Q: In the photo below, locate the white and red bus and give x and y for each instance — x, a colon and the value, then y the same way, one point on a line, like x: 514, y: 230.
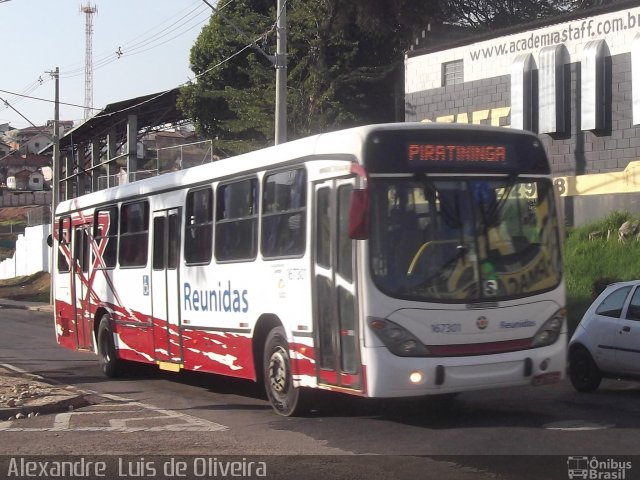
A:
x: 382, y: 261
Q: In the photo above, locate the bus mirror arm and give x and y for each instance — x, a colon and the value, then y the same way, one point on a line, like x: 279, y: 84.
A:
x: 359, y: 214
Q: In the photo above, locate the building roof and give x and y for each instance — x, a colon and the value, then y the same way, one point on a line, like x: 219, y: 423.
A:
x: 32, y: 131
x: 23, y: 174
x: 152, y: 110
x: 28, y: 160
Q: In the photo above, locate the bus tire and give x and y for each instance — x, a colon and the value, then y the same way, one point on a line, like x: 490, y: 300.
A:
x: 285, y: 399
x: 584, y: 374
x: 110, y: 364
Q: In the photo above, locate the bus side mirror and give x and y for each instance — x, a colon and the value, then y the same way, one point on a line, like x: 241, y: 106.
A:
x: 50, y: 240
x: 359, y: 214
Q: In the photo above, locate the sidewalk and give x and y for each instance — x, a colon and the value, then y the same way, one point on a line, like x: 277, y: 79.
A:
x: 26, y: 395
x: 23, y: 394
x: 34, y: 306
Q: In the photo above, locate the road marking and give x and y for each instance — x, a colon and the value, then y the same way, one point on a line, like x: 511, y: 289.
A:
x: 577, y: 426
x: 130, y: 416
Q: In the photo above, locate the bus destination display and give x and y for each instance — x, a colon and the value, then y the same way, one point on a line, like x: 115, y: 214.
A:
x: 456, y: 153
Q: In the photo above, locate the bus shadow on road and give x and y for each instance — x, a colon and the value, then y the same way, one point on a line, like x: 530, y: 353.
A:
x: 433, y: 412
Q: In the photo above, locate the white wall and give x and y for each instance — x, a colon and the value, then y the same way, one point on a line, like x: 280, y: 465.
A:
x: 31, y: 256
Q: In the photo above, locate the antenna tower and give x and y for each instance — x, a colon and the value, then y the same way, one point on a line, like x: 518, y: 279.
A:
x: 88, y: 11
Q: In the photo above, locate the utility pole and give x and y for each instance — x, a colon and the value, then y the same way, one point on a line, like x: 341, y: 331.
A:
x: 55, y: 176
x: 279, y: 61
x: 281, y: 73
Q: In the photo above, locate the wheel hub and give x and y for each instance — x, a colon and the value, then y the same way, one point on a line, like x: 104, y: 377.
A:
x: 278, y: 373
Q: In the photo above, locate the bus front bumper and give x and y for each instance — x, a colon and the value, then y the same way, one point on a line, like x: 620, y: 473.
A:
x: 416, y: 376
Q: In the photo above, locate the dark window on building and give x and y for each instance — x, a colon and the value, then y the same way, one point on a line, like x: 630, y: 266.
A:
x: 237, y: 220
x: 134, y: 234
x: 284, y: 214
x: 452, y: 73
x: 105, y: 225
x: 64, y: 243
x: 198, y: 235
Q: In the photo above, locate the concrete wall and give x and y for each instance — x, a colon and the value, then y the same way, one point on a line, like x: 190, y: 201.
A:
x: 32, y: 254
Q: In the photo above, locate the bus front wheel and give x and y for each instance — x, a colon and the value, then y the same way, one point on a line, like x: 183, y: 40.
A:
x: 286, y: 399
x: 109, y: 363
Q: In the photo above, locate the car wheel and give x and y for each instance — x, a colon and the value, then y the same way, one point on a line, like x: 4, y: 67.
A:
x: 584, y: 373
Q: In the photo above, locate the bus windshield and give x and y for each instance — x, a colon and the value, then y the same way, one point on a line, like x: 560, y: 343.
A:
x: 463, y: 240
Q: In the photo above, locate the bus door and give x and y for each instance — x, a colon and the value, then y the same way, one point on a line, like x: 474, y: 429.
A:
x: 335, y: 305
x: 80, y: 285
x: 165, y: 289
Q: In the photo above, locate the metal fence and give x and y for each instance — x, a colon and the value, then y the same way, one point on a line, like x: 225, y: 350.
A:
x: 179, y: 157
x: 39, y: 215
x: 167, y: 159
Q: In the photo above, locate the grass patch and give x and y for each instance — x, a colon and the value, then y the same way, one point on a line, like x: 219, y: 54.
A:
x: 30, y: 288
x: 599, y: 261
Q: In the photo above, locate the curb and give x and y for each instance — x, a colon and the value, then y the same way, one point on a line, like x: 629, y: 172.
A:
x: 33, y: 308
x: 74, y: 398
x: 70, y: 403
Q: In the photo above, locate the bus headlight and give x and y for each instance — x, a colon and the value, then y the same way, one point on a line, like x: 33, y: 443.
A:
x: 550, y: 331
x: 397, y: 339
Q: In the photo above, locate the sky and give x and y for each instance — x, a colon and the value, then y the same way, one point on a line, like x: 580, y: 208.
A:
x: 153, y: 36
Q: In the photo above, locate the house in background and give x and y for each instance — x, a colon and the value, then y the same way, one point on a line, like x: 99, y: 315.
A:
x: 34, y: 139
x: 26, y: 180
x: 11, y: 165
x: 4, y: 149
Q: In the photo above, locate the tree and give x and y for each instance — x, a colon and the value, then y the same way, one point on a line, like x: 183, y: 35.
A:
x: 345, y: 61
x: 234, y: 92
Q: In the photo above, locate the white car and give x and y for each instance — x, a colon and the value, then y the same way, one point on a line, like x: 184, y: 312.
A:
x: 606, y: 343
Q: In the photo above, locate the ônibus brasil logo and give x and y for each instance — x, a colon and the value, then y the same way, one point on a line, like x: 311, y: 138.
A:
x: 593, y: 468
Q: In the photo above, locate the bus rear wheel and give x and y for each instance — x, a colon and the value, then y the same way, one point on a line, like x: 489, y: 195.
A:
x: 110, y: 364
x: 286, y: 399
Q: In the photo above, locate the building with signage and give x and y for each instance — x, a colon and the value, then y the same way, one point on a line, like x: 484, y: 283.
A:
x: 574, y: 80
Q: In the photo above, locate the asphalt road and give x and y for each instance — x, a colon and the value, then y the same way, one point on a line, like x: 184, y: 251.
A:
x: 510, y: 433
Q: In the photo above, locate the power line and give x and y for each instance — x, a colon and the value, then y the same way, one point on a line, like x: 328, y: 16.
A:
x: 163, y: 31
x: 251, y: 44
x: 42, y: 100
x: 182, y: 26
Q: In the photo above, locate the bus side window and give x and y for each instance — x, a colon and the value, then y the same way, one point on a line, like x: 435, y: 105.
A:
x: 237, y: 220
x: 105, y: 224
x: 198, y: 235
x: 134, y: 234
x: 64, y: 241
x: 284, y: 214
